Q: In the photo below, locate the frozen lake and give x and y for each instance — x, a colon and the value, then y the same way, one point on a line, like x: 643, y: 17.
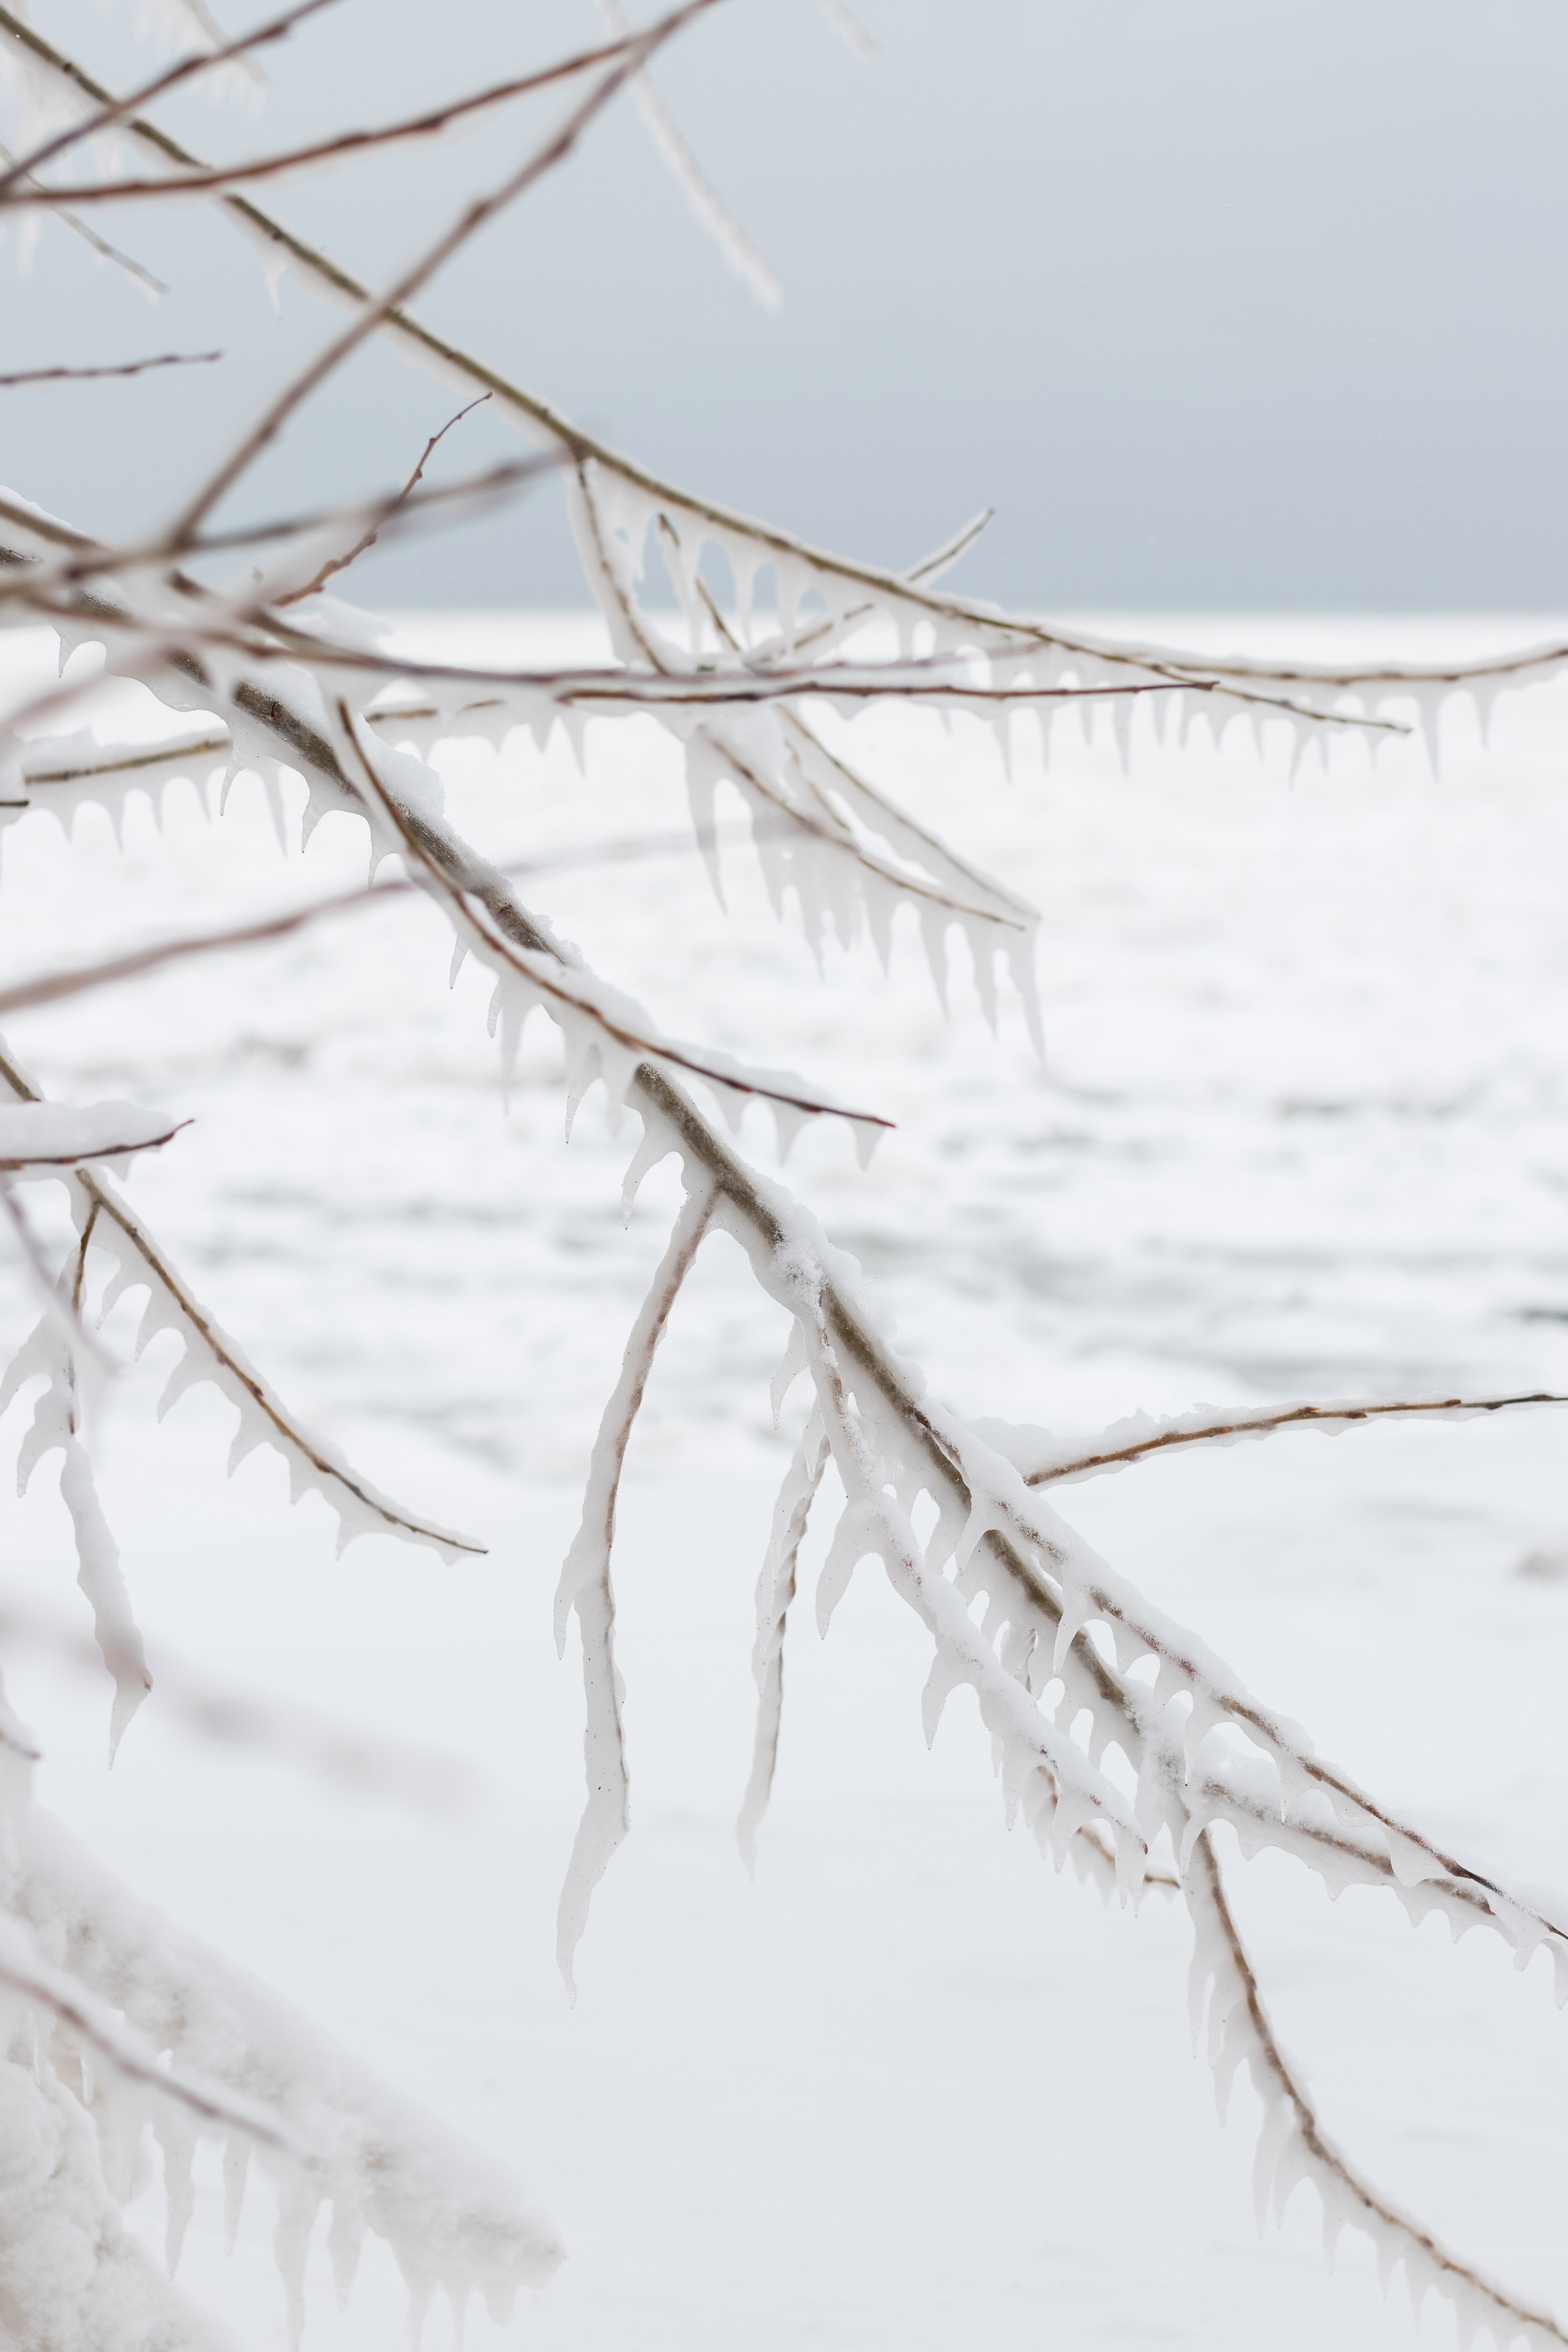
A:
x: 1302, y: 1132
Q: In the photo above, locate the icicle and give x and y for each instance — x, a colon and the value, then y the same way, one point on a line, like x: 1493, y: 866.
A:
x: 656, y: 1145
x: 176, y: 2137
x: 298, y: 2206
x: 982, y: 950
x: 933, y: 932
x: 236, y: 2167
x: 775, y: 1593
x: 857, y: 1533
x: 344, y: 2239
x: 947, y: 1672
x: 796, y: 1359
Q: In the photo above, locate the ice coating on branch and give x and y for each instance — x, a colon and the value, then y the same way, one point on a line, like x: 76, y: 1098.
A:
x: 208, y: 1354
x: 42, y: 1138
x: 1049, y: 1457
x: 586, y: 1590
x: 706, y: 206
x: 457, y: 2219
x: 314, y: 1465
x: 1228, y: 2013
x: 78, y: 770
x: 775, y: 1592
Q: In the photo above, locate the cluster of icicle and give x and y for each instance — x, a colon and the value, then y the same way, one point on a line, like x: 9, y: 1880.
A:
x: 1120, y: 1737
x: 1056, y: 1649
x: 1196, y: 1748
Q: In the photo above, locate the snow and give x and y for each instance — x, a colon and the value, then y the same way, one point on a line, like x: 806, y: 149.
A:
x: 1299, y: 1133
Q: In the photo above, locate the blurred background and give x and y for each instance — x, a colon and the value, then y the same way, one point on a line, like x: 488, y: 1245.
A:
x: 1223, y: 306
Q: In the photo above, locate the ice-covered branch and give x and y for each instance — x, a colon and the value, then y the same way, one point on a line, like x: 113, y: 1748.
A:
x: 605, y: 1032
x: 39, y: 1136
x: 1047, y: 1460
x: 127, y: 2050
x: 585, y: 1591
x: 211, y: 1355
x: 707, y: 207
x: 775, y: 1592
x: 1293, y: 2145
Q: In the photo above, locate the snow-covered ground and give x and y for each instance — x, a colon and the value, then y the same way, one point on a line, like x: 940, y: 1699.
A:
x: 1303, y: 1133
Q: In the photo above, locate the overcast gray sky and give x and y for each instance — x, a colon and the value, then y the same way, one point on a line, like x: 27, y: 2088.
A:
x: 1222, y: 304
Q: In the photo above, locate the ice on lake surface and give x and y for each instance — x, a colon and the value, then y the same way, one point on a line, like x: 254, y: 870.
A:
x: 1302, y: 1132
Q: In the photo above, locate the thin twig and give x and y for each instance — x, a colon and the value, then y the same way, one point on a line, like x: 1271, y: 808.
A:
x: 211, y: 179
x: 337, y: 563
x: 1260, y: 1425
x: 93, y: 374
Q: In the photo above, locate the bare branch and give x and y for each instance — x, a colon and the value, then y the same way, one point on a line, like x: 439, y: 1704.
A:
x: 367, y: 539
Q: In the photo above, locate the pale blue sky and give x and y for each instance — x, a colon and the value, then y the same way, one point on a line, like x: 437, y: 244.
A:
x: 1221, y: 303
